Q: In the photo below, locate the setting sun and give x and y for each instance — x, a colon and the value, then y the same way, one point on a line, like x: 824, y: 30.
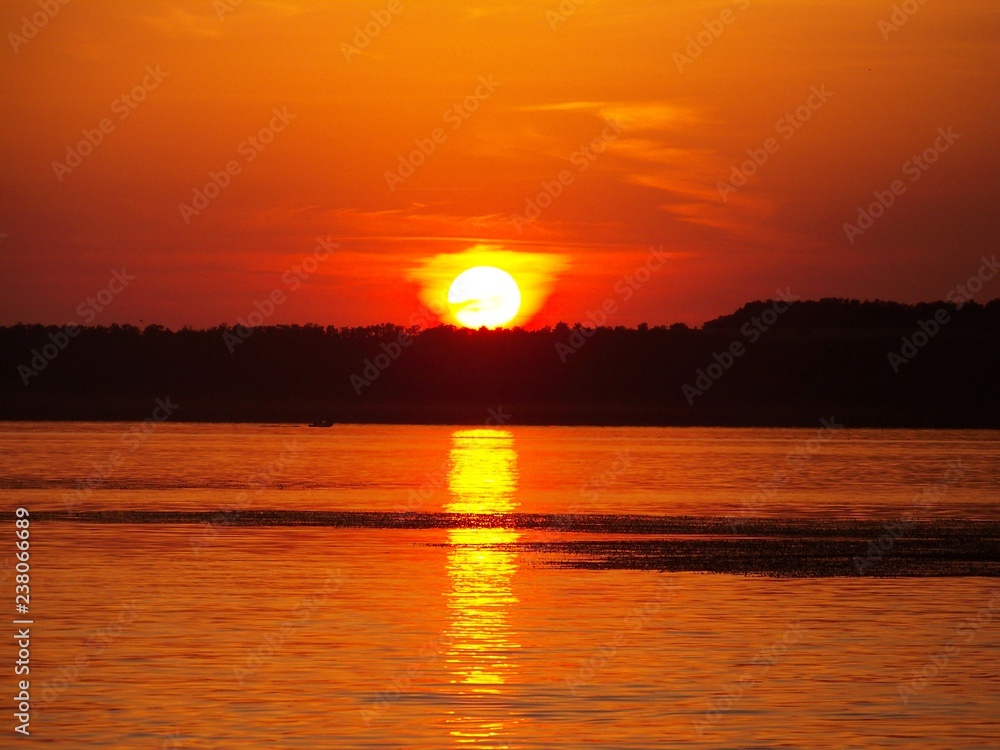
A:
x: 484, y: 296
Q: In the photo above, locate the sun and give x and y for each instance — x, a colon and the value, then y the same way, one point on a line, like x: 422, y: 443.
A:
x: 484, y: 296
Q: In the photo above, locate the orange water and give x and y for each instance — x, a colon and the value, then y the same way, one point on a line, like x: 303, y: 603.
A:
x: 161, y: 636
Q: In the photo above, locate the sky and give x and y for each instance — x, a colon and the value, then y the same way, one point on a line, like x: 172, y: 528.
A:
x: 340, y: 162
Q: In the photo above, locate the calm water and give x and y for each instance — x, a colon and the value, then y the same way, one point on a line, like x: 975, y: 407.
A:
x: 212, y: 636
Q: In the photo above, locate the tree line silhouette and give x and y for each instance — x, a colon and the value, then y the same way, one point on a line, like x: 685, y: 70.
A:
x: 760, y: 365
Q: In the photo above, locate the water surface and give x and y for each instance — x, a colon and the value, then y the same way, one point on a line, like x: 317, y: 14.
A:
x: 209, y: 635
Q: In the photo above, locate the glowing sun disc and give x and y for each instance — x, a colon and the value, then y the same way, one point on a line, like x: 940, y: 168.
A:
x: 484, y: 296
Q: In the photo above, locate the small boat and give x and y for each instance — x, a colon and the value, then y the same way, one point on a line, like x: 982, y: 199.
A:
x: 322, y: 423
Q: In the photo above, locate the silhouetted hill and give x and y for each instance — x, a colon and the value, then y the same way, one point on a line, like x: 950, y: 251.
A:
x: 865, y: 363
x: 833, y: 312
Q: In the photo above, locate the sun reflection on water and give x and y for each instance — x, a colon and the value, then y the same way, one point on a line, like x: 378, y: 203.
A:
x: 481, y: 656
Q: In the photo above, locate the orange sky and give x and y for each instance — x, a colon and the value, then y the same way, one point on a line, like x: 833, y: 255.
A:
x: 613, y: 108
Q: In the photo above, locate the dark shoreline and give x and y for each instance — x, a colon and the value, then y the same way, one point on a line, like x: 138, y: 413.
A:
x: 23, y: 408
x: 737, y: 546
x: 598, y: 523
x: 864, y: 363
